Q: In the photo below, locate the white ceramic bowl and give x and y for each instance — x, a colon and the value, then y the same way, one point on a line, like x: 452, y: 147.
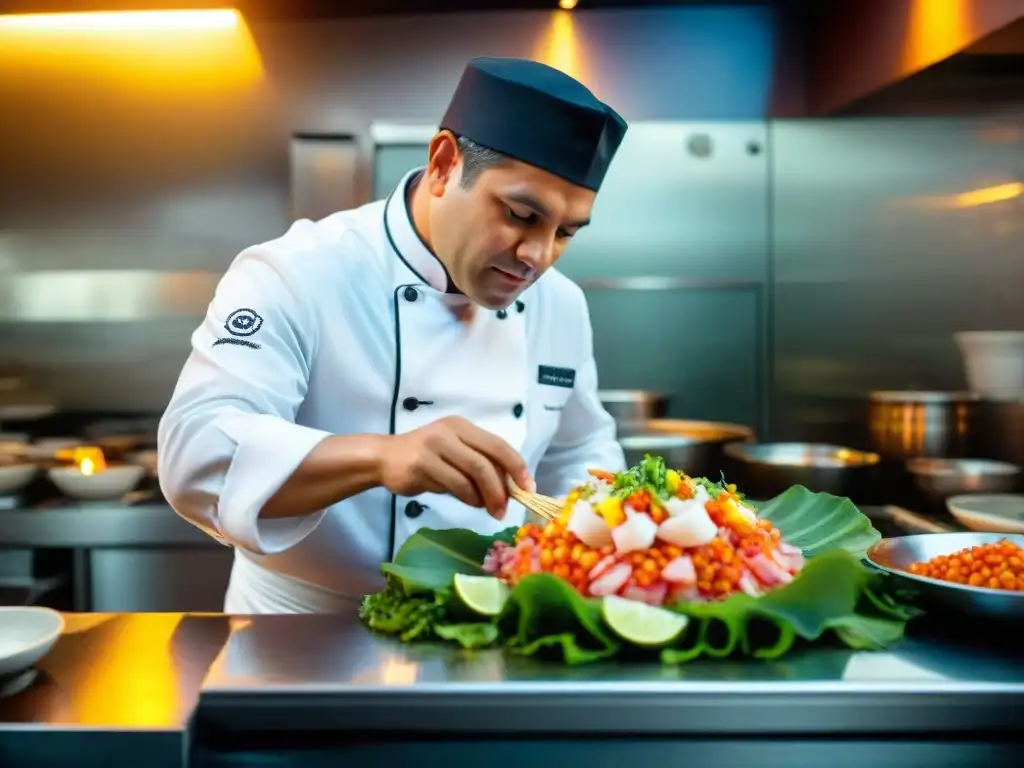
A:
x: 27, y: 633
x: 993, y: 362
x: 14, y: 477
x: 989, y: 512
x: 112, y: 483
x: 26, y: 412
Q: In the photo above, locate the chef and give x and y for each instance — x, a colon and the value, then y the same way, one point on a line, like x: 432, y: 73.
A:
x: 387, y: 368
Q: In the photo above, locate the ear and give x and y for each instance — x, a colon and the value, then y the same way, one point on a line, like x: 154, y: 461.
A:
x: 443, y: 162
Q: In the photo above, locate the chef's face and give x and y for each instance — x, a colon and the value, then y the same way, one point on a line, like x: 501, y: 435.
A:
x: 500, y: 230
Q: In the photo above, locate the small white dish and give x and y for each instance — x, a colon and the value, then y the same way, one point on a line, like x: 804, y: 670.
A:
x: 48, y: 447
x: 26, y: 412
x: 989, y: 512
x: 111, y: 483
x: 27, y: 633
x: 14, y: 477
x: 16, y: 448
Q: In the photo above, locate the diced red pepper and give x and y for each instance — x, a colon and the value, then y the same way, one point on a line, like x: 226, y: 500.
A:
x: 640, y: 501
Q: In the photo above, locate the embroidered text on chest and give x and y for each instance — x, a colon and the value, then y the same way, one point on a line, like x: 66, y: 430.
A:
x: 556, y: 377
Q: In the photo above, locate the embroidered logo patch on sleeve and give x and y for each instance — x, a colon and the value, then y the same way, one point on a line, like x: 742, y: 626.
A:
x: 240, y: 324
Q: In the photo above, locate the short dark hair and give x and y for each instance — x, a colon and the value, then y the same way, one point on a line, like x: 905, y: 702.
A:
x: 475, y: 160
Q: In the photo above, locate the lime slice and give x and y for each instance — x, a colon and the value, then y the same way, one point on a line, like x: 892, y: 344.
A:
x: 485, y: 595
x: 640, y: 623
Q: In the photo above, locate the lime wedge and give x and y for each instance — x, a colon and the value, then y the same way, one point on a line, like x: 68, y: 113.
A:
x: 641, y: 624
x: 485, y: 595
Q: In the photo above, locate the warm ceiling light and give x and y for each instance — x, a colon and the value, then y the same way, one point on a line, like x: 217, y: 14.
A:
x: 123, y: 20
x: 567, y: 5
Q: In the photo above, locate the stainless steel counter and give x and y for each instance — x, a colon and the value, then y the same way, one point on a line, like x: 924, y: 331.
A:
x: 99, y: 525
x: 113, y: 688
x: 222, y: 689
x: 329, y: 674
x: 124, y: 558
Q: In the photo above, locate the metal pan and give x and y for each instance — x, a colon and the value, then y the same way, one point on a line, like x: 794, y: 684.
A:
x: 896, y: 555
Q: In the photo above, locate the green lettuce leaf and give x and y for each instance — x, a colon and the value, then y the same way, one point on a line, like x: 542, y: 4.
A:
x: 549, y: 614
x: 429, y: 559
x: 421, y: 616
x: 834, y: 595
x: 819, y: 522
x: 473, y: 635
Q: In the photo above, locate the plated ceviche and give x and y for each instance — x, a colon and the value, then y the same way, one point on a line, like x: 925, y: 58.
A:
x: 648, y: 560
x: 653, y: 535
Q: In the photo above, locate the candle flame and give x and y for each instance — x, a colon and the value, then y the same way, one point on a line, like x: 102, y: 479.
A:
x: 89, y: 460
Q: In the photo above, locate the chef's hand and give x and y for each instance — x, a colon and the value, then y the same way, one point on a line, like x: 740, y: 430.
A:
x: 453, y: 456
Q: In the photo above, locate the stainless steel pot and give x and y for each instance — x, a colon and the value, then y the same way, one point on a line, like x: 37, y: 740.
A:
x: 938, y: 479
x: 907, y: 425
x: 633, y: 405
x: 696, y: 447
x: 769, y: 469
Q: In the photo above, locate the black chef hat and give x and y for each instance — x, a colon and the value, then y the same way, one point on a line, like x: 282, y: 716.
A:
x: 534, y: 113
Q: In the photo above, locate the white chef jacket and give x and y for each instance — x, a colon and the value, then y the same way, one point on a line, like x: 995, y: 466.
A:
x: 344, y: 326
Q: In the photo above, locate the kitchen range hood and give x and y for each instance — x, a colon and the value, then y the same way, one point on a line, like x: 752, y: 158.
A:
x: 859, y: 57
x: 915, y: 57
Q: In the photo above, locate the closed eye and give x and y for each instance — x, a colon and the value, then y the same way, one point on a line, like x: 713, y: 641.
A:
x: 527, y: 219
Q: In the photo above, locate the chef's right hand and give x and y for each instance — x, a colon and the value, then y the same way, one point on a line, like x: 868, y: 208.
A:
x: 454, y: 456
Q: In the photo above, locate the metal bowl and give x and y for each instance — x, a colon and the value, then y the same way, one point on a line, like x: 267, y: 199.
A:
x: 771, y: 468
x: 696, y: 447
x: 928, y: 424
x: 938, y: 479
x: 633, y: 405
x: 895, y: 555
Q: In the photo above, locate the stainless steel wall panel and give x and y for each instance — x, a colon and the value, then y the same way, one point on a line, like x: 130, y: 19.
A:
x: 702, y: 347
x: 324, y: 174
x: 880, y: 257
x: 680, y: 199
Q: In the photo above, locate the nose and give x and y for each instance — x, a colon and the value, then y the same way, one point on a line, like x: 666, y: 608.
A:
x: 536, y: 253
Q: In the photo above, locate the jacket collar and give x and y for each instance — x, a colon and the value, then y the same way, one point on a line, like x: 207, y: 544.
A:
x: 406, y: 242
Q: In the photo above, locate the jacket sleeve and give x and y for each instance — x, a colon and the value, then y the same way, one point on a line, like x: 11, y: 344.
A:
x: 586, y: 435
x: 228, y: 439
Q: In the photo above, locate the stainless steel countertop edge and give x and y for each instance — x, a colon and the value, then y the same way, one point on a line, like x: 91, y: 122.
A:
x: 722, y: 713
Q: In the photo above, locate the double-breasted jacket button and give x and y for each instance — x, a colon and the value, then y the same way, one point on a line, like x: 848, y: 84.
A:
x: 410, y: 294
x: 517, y: 410
x: 414, y: 509
x: 502, y: 314
x: 520, y: 306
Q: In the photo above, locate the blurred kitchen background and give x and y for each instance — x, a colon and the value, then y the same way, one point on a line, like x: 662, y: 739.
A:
x: 810, y: 202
